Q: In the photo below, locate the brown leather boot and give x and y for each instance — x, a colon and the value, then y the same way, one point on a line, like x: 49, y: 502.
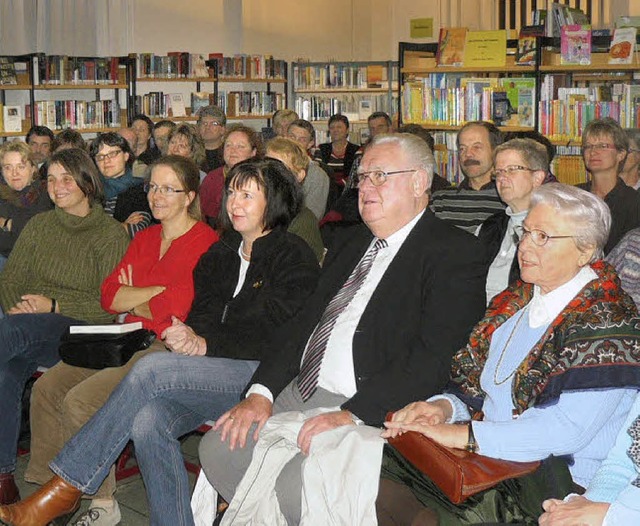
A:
x: 57, y: 497
x: 8, y: 490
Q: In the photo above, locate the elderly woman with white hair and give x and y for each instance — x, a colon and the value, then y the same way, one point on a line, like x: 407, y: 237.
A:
x: 553, y: 367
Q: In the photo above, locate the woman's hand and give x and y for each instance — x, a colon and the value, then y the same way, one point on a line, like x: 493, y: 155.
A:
x: 126, y: 276
x: 577, y: 511
x: 180, y: 339
x: 32, y: 304
x: 449, y: 435
x: 424, y: 413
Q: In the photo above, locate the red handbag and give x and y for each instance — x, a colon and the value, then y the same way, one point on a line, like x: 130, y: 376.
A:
x: 458, y: 473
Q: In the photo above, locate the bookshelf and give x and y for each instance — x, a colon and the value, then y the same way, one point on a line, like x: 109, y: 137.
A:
x: 20, y: 94
x: 247, y: 87
x: 88, y: 94
x: 443, y: 98
x: 355, y: 89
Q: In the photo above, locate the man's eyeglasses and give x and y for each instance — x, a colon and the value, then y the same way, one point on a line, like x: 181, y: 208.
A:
x: 379, y: 177
x: 510, y: 170
x: 151, y: 188
x: 600, y: 147
x: 538, y: 237
x: 111, y: 155
x: 209, y: 124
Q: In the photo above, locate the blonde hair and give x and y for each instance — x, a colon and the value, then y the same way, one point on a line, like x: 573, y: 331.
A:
x: 291, y: 150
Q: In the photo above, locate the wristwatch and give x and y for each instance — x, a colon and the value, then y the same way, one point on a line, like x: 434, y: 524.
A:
x: 472, y: 445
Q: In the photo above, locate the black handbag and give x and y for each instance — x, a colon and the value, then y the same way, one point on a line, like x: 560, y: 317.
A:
x: 98, y: 351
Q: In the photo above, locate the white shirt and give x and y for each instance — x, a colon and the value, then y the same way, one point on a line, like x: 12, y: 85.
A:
x: 337, y: 372
x: 242, y: 273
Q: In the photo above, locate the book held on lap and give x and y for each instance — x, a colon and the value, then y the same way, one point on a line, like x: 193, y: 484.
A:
x: 114, y: 328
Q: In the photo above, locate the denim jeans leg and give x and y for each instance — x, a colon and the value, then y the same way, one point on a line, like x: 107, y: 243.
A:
x: 26, y: 341
x: 203, y: 385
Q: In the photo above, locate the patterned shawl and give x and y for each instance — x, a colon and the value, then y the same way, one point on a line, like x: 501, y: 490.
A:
x: 593, y: 343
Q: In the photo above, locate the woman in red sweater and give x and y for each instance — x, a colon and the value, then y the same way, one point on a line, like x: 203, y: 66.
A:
x: 153, y: 283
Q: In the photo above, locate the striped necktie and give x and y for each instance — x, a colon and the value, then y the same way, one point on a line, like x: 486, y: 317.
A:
x: 310, y: 369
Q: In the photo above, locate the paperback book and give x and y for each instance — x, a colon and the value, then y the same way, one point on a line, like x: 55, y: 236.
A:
x: 623, y: 45
x: 12, y: 116
x: 528, y: 44
x: 575, y: 45
x: 7, y: 72
x: 451, y: 45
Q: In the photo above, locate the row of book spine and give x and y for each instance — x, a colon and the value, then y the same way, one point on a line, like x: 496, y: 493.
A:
x: 250, y: 103
x: 321, y: 107
x: 61, y: 70
x: 77, y: 114
x: 340, y: 76
x: 185, y: 65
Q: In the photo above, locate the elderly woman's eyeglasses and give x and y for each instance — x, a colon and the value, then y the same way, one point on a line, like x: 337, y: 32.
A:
x: 379, y: 177
x: 510, y: 170
x: 538, y: 237
x: 151, y: 188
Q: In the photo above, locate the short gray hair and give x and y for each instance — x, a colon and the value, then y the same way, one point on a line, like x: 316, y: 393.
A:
x: 214, y: 112
x: 533, y: 153
x: 413, y: 147
x: 588, y: 213
x: 633, y: 134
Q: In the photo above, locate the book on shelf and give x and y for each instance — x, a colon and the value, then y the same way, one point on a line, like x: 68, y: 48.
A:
x: 563, y: 15
x: 575, y: 45
x: 200, y: 99
x: 623, y: 45
x: 77, y: 114
x: 364, y: 109
x: 528, y: 45
x: 501, y: 109
x: 113, y: 328
x: 198, y: 67
x: 451, y: 46
x: 526, y: 107
x: 1, y: 117
x: 485, y: 49
x: 7, y: 72
x: 176, y: 104
x: 12, y: 117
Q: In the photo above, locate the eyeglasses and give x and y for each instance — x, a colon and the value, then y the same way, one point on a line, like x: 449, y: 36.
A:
x: 538, y: 237
x: 633, y: 150
x: 111, y: 155
x: 209, y: 124
x: 600, y: 147
x: 510, y: 170
x: 379, y: 177
x: 151, y: 188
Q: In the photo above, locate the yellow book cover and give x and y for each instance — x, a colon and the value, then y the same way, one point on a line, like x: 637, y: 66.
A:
x: 485, y: 49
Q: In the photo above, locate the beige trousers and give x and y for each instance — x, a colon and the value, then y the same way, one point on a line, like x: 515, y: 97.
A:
x: 62, y: 400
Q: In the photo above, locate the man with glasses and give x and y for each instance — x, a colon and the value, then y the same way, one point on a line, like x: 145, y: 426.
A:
x: 398, y: 294
x: 476, y: 197
x: 520, y: 166
x: 317, y: 182
x: 604, y: 150
x: 211, y: 127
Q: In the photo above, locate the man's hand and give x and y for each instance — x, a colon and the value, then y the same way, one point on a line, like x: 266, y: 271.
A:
x: 577, y: 511
x: 236, y: 422
x: 319, y: 424
x: 423, y: 413
x: 31, y: 304
x: 180, y: 339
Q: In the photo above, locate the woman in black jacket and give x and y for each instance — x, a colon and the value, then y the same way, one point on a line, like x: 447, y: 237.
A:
x: 246, y: 286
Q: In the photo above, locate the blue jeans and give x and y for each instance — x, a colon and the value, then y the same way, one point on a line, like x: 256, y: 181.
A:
x: 163, y: 397
x: 26, y: 341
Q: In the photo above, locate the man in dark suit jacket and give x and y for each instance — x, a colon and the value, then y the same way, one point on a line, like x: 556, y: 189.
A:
x: 394, y: 341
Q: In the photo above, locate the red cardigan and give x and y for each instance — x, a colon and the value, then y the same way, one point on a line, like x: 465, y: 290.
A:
x: 174, y: 271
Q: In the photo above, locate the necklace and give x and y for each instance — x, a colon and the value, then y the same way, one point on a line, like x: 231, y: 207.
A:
x: 504, y: 350
x: 244, y: 254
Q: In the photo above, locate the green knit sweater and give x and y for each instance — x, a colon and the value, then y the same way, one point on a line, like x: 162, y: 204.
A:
x: 65, y: 257
x: 305, y: 225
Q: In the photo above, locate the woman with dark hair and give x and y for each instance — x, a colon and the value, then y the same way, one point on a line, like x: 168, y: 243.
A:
x: 146, y: 151
x: 51, y: 281
x: 339, y: 154
x: 22, y: 195
x: 246, y: 286
x: 240, y: 143
x: 152, y: 284
x: 124, y: 196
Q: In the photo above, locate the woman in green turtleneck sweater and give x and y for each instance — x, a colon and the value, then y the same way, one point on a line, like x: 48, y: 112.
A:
x: 51, y: 281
